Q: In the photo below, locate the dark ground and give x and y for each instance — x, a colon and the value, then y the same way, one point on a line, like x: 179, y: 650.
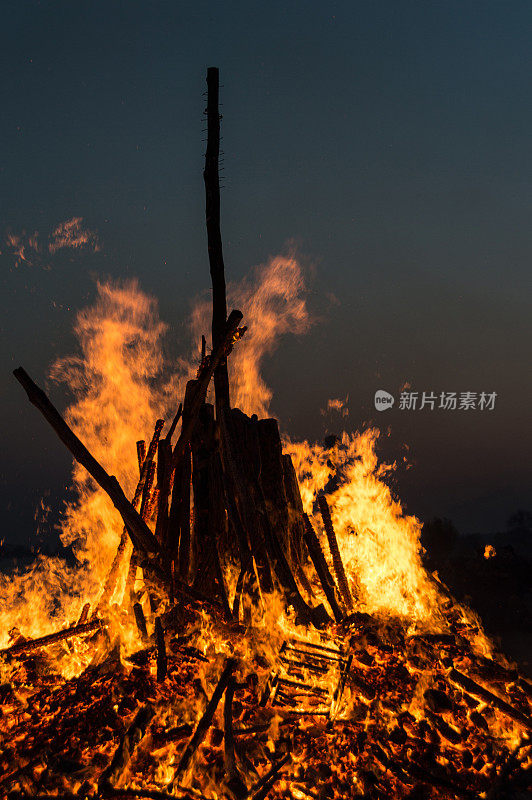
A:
x: 498, y: 588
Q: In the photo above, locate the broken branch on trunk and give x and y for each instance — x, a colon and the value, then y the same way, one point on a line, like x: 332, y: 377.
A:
x: 139, y: 532
x: 219, y: 352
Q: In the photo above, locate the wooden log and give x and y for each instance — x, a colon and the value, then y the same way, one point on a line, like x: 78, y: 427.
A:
x: 322, y: 569
x: 339, y: 690
x: 246, y: 589
x: 145, y: 503
x: 338, y: 564
x: 173, y: 425
x: 139, y: 532
x: 279, y: 485
x: 141, y: 453
x: 240, y: 465
x: 296, y: 520
x: 474, y: 688
x: 203, y: 445
x: 178, y: 528
x: 29, y: 645
x: 126, y: 749
x: 220, y: 351
x: 162, y: 662
x: 218, y: 527
x: 241, y: 451
x: 204, y: 723
x: 238, y: 543
x: 140, y: 619
x: 391, y: 765
x: 209, y: 510
x: 235, y: 783
x: 146, y: 496
x: 271, y: 480
x: 447, y: 731
x: 214, y: 237
x: 164, y: 477
x: 363, y: 687
x: 84, y: 614
x: 123, y: 551
x: 263, y: 786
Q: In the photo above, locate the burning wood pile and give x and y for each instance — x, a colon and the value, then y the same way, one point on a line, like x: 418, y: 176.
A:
x: 233, y: 651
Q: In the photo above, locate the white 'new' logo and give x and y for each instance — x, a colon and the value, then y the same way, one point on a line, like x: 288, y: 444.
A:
x: 383, y: 400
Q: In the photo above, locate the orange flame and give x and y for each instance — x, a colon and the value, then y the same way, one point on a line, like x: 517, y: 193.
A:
x: 121, y: 386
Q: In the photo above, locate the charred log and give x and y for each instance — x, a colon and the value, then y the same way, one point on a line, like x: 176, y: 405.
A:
x: 29, y: 645
x: 322, y: 569
x: 139, y: 532
x: 338, y: 564
x: 205, y: 721
x: 126, y: 749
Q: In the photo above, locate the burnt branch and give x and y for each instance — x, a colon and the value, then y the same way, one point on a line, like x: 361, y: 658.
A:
x: 205, y: 722
x: 235, y: 783
x: 51, y: 638
x: 322, y: 570
x: 162, y: 663
x: 338, y: 564
x: 139, y: 532
x: 474, y: 688
x: 125, y: 750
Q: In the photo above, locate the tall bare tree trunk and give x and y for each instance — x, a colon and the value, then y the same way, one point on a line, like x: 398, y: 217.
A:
x: 214, y: 237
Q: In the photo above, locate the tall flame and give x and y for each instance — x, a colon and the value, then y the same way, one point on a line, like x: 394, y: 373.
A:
x: 119, y: 389
x: 273, y: 302
x: 379, y: 543
x: 121, y: 385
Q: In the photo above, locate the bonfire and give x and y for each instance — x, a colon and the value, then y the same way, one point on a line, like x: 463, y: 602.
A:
x: 250, y: 616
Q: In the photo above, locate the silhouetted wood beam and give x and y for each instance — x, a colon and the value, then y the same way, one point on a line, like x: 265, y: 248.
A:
x: 211, y: 178
x: 140, y: 534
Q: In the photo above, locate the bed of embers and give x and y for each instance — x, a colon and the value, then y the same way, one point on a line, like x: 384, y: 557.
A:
x: 361, y: 711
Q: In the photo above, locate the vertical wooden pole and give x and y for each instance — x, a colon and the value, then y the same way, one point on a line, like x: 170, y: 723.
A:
x: 214, y: 238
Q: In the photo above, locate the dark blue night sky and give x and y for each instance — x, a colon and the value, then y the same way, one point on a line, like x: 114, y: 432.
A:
x: 391, y: 141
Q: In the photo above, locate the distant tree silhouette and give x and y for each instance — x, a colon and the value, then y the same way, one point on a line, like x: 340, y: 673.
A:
x: 520, y: 523
x: 438, y: 537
